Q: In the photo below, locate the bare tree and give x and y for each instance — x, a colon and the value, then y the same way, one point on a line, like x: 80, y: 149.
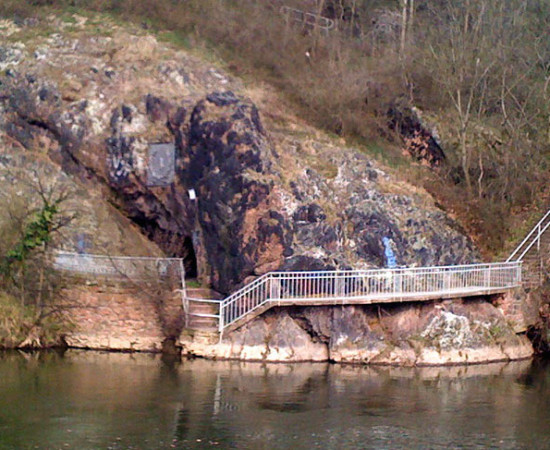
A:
x: 32, y: 216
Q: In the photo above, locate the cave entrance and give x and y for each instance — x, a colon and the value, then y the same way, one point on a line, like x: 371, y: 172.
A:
x: 189, y: 258
x: 173, y: 244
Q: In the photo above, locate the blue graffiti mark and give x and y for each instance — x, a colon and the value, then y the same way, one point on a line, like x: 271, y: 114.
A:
x: 82, y: 243
x: 389, y: 254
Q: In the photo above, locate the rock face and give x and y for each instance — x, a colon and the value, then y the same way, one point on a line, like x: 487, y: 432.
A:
x: 436, y: 333
x: 236, y: 193
x: 231, y: 168
x: 265, y: 201
x: 418, y: 141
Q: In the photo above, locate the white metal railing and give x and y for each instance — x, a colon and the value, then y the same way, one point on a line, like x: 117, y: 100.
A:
x: 316, y: 287
x: 531, y: 239
x: 369, y: 286
x: 189, y: 312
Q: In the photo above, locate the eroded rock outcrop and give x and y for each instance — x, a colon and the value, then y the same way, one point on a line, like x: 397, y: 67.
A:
x: 462, y: 331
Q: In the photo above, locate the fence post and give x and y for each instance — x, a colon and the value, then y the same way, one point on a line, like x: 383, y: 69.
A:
x: 221, y: 320
x: 274, y: 288
x: 184, y: 297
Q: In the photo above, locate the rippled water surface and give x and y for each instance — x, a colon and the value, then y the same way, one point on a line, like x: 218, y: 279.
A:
x: 100, y: 400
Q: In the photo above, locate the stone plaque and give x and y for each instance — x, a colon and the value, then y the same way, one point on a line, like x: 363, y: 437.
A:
x: 161, y: 164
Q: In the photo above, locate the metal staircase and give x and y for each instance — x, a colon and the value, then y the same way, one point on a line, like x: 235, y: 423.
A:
x: 533, y: 252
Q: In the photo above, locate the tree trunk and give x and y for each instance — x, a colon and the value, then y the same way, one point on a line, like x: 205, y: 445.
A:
x: 403, y: 28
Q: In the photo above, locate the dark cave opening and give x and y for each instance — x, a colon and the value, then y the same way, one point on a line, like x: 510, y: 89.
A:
x: 173, y: 244
x: 189, y: 258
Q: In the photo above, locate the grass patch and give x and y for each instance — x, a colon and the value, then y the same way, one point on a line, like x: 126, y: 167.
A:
x: 193, y: 284
x: 176, y: 39
x: 15, y: 321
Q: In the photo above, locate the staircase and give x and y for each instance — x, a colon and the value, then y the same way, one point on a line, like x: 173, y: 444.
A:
x: 533, y: 251
x: 203, y: 309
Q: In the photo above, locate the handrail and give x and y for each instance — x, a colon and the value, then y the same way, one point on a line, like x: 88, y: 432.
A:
x: 371, y: 285
x: 203, y: 300
x: 114, y: 258
x: 117, y: 266
x: 528, y: 238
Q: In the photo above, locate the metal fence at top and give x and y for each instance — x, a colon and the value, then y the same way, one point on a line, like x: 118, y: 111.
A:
x: 307, y: 18
x: 368, y: 286
x: 130, y: 268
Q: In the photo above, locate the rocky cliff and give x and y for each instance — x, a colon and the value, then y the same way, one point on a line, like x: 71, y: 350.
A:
x: 181, y: 150
x: 281, y: 198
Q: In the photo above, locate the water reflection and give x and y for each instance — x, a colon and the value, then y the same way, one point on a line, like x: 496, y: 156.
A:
x: 101, y: 400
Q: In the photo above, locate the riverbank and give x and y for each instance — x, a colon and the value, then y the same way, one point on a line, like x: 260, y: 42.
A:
x: 28, y: 327
x: 462, y: 331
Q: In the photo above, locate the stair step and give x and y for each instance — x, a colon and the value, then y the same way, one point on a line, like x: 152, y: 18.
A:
x: 205, y: 293
x: 203, y: 307
x: 199, y: 319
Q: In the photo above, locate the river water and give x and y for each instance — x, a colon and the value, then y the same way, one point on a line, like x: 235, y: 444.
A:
x: 91, y: 400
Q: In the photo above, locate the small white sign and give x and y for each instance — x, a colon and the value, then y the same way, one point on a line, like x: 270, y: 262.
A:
x: 192, y: 194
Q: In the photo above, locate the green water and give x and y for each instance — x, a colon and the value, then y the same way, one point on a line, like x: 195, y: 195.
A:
x: 83, y: 400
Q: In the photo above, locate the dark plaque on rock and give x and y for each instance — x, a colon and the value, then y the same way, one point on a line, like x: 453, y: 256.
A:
x: 161, y: 164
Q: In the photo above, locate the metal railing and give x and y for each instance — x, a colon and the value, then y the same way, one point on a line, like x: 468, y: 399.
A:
x: 314, y: 288
x: 307, y: 18
x: 188, y: 310
x: 532, y: 239
x: 163, y: 272
x: 133, y: 267
x: 367, y: 286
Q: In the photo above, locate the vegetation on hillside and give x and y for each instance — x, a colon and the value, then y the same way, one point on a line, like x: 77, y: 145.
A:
x: 478, y: 70
x: 29, y: 290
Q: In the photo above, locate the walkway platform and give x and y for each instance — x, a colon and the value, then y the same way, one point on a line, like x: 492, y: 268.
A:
x: 472, y: 291
x: 363, y: 287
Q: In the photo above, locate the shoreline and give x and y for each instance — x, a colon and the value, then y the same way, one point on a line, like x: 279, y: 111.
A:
x: 182, y: 354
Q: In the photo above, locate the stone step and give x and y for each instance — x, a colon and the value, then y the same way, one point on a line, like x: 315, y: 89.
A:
x: 202, y: 292
x: 196, y: 308
x: 202, y: 324
x: 204, y: 307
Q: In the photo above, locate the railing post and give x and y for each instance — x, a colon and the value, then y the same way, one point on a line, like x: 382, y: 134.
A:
x: 221, y: 320
x: 184, y: 297
x: 274, y: 288
x: 401, y: 283
x: 519, y: 271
